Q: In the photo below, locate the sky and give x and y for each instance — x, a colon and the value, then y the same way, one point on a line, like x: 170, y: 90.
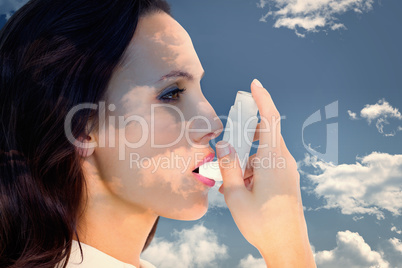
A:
x: 333, y: 69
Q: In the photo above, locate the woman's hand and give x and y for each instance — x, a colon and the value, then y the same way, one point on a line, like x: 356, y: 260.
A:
x: 266, y: 204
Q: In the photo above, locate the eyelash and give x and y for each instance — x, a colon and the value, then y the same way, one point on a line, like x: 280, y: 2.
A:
x: 179, y: 91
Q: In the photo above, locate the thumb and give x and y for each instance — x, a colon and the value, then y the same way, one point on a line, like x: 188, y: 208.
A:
x: 229, y: 166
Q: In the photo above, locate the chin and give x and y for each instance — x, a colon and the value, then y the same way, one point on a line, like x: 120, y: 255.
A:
x: 193, y: 213
x: 197, y: 215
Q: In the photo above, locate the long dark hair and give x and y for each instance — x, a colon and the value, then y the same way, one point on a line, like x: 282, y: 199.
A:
x: 54, y: 54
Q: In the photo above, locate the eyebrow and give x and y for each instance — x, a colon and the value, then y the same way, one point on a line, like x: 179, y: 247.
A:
x: 178, y: 73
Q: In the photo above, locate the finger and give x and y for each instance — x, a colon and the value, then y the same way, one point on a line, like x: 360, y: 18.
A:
x: 249, y: 167
x: 284, y: 148
x: 270, y: 118
x: 249, y: 182
x: 221, y: 189
x: 230, y: 167
x: 257, y: 132
x: 249, y: 172
x: 285, y: 152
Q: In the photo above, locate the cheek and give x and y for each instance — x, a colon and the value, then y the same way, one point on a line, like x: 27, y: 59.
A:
x: 162, y: 188
x: 167, y: 170
x: 173, y: 195
x: 167, y: 126
x: 152, y: 177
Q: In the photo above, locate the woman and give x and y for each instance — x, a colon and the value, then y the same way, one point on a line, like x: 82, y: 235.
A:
x: 93, y: 95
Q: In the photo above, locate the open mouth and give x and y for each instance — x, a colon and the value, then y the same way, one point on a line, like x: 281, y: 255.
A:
x: 196, y: 172
x: 204, y: 180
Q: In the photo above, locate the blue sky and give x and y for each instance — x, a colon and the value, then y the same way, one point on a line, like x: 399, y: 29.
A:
x: 347, y: 54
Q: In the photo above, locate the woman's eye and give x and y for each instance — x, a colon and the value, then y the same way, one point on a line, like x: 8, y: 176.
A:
x: 172, y: 95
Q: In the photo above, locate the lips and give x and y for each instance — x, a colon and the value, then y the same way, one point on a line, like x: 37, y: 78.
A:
x: 206, y: 159
x: 204, y: 180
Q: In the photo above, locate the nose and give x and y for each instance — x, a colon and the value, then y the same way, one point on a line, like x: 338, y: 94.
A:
x: 205, y: 124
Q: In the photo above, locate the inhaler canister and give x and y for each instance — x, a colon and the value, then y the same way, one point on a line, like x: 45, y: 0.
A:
x: 239, y: 132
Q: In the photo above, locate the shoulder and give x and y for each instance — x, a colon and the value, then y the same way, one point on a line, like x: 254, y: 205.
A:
x: 93, y: 257
x: 146, y: 264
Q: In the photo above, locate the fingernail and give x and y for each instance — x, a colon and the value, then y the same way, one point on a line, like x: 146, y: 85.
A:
x: 222, y: 149
x: 257, y: 83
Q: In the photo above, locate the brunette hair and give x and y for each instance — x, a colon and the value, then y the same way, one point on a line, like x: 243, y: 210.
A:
x: 54, y: 55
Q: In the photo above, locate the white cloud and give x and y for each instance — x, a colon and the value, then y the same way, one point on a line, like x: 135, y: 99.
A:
x: 250, y: 261
x: 311, y: 15
x: 369, y: 186
x: 394, y: 229
x: 9, y: 6
x: 380, y: 126
x: 396, y: 243
x: 381, y: 112
x: 391, y: 249
x: 195, y: 247
x: 351, y: 251
x: 356, y: 218
x: 382, y: 109
x: 352, y: 115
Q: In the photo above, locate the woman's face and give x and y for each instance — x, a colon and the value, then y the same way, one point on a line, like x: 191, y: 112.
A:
x: 159, y: 135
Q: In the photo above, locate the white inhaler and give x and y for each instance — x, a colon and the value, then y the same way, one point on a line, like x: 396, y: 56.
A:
x: 239, y: 132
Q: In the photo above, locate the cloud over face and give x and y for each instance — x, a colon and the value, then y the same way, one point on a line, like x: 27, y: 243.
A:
x: 9, y: 6
x: 371, y: 185
x: 195, y: 247
x: 351, y: 251
x: 311, y: 15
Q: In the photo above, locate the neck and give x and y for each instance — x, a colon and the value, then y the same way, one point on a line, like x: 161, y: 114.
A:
x: 113, y: 226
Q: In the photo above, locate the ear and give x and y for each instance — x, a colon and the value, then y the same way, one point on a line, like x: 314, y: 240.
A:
x: 85, y: 145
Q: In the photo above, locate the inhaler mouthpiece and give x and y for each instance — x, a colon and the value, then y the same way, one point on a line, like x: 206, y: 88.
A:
x: 239, y: 132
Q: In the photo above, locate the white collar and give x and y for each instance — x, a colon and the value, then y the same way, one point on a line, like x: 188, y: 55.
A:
x: 95, y: 258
